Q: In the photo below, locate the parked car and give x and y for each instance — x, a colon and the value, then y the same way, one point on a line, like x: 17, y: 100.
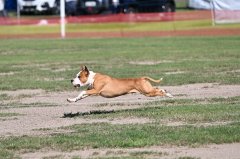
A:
x: 143, y: 6
x: 124, y: 6
x: 97, y: 6
x: 38, y: 6
x: 71, y: 7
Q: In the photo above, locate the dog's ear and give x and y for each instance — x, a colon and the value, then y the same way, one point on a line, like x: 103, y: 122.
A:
x: 84, y: 68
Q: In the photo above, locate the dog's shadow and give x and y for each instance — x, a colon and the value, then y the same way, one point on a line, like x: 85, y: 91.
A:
x: 93, y: 112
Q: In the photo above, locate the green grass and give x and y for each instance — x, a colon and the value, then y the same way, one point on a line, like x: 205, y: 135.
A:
x: 50, y: 64
x: 105, y: 135
x: 7, y: 154
x: 125, y: 136
x: 186, y: 111
x: 8, y: 114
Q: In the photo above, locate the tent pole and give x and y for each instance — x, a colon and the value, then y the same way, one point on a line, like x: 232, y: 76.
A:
x: 212, y: 12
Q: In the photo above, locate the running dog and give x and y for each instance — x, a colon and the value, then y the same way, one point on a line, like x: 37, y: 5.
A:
x: 109, y: 87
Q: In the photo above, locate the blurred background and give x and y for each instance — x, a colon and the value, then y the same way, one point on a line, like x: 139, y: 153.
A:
x: 86, y: 7
x: 116, y: 18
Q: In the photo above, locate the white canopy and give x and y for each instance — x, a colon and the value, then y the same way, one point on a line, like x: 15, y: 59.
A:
x: 218, y: 4
x: 199, y: 4
x: 224, y: 11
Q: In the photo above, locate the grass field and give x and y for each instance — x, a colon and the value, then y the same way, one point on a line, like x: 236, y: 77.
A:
x: 50, y: 64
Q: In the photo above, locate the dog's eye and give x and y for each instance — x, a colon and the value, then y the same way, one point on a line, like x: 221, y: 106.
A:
x: 78, y: 76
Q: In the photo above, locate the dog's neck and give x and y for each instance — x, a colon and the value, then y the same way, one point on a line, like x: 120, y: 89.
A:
x: 90, y: 78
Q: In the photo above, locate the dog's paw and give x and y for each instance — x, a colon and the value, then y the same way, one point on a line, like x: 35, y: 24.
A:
x: 169, y: 95
x: 70, y: 100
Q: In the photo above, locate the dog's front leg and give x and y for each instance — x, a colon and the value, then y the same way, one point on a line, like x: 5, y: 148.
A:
x: 82, y: 95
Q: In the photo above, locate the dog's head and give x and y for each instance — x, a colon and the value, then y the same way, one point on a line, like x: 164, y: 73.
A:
x: 82, y: 78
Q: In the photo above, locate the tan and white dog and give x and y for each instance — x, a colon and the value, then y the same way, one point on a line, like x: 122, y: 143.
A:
x: 109, y: 87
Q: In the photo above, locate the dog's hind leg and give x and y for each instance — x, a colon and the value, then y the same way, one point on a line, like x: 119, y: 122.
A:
x: 163, y: 92
x: 158, y: 92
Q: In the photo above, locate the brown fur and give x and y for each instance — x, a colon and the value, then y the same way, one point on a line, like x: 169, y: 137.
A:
x: 107, y: 86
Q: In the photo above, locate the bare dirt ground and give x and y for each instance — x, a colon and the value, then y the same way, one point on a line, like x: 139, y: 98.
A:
x: 46, y: 117
x: 225, y: 151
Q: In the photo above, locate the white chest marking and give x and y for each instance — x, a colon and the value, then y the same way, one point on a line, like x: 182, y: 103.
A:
x: 90, y: 80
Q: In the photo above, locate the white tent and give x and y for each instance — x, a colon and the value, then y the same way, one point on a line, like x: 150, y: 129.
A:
x: 223, y: 11
x: 199, y: 4
x: 226, y: 11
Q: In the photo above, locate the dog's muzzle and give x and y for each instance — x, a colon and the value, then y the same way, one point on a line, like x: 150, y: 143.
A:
x: 77, y: 85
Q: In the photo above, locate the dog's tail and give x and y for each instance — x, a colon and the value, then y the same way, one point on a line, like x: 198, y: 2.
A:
x: 153, y: 80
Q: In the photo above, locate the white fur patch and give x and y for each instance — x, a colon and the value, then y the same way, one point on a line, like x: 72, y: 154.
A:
x: 90, y: 78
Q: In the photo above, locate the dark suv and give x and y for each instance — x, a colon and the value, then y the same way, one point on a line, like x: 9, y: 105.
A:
x: 124, y: 6
x: 144, y: 6
x: 96, y: 6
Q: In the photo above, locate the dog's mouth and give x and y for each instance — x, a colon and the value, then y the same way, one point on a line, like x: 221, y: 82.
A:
x: 77, y: 85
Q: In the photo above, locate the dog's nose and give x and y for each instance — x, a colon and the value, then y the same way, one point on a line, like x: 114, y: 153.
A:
x: 71, y: 81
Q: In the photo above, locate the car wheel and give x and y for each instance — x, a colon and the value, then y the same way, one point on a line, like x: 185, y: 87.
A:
x: 169, y: 7
x: 131, y: 10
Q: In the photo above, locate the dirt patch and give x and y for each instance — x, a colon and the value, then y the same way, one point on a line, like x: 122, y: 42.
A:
x: 7, y: 73
x: 50, y: 116
x: 204, y: 90
x: 17, y: 96
x: 174, y: 72
x: 24, y: 92
x: 47, y: 120
x: 149, y: 62
x: 193, y: 91
x: 224, y: 151
x: 36, y: 119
